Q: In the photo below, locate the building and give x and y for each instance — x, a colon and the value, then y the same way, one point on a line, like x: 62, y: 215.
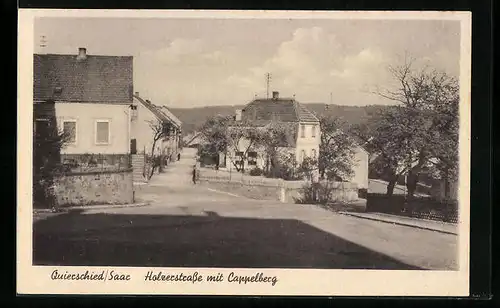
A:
x: 90, y: 98
x: 360, y: 167
x: 301, y: 126
x: 302, y: 137
x: 147, y: 116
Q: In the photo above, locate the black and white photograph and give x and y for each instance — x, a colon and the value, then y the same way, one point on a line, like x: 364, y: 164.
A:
x: 266, y: 142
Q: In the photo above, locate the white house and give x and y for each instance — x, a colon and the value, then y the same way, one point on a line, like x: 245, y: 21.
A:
x: 90, y: 98
x: 303, y: 136
x: 360, y: 167
x: 145, y: 117
x: 302, y: 127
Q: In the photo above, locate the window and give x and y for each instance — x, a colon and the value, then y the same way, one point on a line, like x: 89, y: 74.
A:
x: 133, y: 110
x: 302, y: 131
x: 252, y: 158
x: 313, y: 153
x: 41, y: 127
x: 69, y: 129
x: 302, y: 155
x: 239, y: 154
x: 102, y: 132
x: 313, y: 131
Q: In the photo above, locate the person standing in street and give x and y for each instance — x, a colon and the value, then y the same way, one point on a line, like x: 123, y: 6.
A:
x: 194, y: 174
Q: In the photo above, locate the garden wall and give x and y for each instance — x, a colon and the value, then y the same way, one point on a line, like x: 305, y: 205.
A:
x: 275, y: 189
x: 93, y: 188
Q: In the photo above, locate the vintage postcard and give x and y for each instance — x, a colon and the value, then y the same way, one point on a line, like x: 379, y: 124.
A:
x: 243, y: 152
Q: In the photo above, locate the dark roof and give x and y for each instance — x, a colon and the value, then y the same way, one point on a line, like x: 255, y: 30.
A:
x: 304, y: 114
x: 170, y: 115
x: 290, y: 128
x: 160, y: 112
x: 106, y: 79
x: 280, y: 110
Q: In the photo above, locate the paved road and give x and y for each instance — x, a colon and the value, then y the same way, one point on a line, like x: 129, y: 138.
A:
x: 192, y: 225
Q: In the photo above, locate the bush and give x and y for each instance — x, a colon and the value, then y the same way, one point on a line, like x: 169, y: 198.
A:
x: 256, y: 171
x: 317, y: 193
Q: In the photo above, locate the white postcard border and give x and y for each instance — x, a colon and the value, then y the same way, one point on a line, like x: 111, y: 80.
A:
x: 36, y: 279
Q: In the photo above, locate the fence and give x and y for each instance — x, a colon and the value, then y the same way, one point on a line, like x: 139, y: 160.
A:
x: 96, y: 162
x: 417, y: 207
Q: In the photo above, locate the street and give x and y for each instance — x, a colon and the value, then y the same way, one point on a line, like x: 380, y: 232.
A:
x: 192, y: 225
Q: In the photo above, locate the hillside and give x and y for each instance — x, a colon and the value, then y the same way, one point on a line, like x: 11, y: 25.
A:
x: 192, y: 118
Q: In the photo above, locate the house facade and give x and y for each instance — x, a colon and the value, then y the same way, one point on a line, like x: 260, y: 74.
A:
x: 145, y: 117
x: 360, y: 167
x: 90, y: 97
x: 303, y: 133
x: 303, y: 137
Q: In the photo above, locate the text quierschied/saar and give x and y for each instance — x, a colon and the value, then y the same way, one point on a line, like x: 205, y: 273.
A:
x: 160, y: 276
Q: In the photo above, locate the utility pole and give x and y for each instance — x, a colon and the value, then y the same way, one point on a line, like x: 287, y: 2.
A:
x: 268, y: 81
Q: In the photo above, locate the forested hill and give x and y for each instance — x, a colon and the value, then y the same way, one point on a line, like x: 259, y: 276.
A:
x: 192, y: 118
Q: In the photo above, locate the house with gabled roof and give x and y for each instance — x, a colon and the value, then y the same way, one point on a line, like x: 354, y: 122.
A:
x: 145, y: 114
x: 89, y: 97
x: 303, y: 135
x: 301, y: 126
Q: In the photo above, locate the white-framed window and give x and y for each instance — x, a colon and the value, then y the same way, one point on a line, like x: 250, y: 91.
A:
x: 313, y: 131
x: 70, y: 129
x: 102, y: 131
x: 302, y: 131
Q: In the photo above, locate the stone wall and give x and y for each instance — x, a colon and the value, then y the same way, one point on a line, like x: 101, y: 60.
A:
x: 93, y: 188
x: 275, y: 189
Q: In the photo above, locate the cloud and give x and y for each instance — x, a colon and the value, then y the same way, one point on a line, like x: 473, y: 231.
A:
x: 177, y: 50
x: 312, y: 64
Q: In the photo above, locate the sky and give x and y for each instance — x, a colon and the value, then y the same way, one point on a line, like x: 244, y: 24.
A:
x: 199, y: 62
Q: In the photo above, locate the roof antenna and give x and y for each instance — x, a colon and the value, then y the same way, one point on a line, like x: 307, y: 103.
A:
x: 268, y: 81
x: 43, y: 42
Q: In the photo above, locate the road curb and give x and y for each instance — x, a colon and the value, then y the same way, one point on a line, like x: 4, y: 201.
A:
x: 91, y: 207
x: 398, y: 223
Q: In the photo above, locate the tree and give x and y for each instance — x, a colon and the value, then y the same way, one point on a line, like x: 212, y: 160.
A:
x: 160, y: 130
x: 272, y: 140
x: 393, y: 140
x: 336, y: 150
x: 421, y: 129
x: 48, y: 142
x: 308, y: 168
x: 215, y: 133
x: 241, y: 139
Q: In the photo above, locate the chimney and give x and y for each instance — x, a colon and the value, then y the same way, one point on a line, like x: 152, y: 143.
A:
x: 82, y: 54
x: 136, y: 93
x: 276, y: 94
x: 237, y: 116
